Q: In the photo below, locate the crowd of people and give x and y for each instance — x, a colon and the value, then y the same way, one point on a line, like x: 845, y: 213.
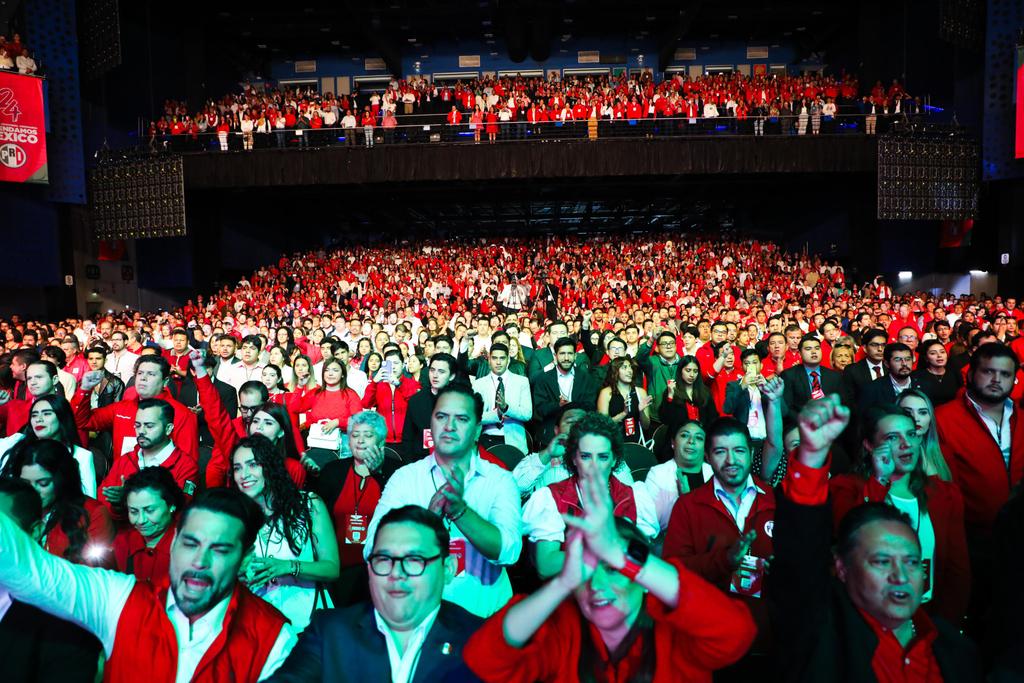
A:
x: 645, y: 457
x: 536, y: 108
x: 15, y: 56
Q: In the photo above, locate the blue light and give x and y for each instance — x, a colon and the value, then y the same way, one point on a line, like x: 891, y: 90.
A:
x: 928, y: 107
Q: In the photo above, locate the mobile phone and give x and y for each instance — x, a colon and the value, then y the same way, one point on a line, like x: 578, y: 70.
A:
x: 388, y: 369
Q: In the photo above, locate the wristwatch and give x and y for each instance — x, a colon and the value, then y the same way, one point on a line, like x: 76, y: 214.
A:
x: 636, y: 557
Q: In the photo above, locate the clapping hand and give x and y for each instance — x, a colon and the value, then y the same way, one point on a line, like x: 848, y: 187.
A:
x: 741, y: 548
x: 597, y: 524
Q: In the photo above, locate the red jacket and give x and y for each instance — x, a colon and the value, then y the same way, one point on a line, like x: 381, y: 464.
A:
x: 132, y: 556
x: 977, y: 463
x: 946, y: 510
x: 183, y: 468
x: 700, y: 532
x: 689, y: 644
x: 145, y: 640
x: 119, y: 418
x: 100, y: 532
x: 391, y: 402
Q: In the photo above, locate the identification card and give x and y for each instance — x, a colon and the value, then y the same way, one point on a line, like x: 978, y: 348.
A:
x: 748, y: 577
x: 428, y: 439
x: 355, y: 529
x: 817, y: 393
x: 457, y: 549
x: 629, y: 425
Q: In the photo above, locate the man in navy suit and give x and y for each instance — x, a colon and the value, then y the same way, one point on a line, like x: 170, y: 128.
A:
x: 899, y: 363
x: 407, y: 633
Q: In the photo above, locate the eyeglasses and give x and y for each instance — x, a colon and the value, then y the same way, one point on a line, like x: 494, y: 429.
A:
x: 412, y: 565
x: 249, y: 409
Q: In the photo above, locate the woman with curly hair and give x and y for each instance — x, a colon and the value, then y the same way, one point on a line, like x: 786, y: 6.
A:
x: 296, y: 551
x: 76, y: 527
x: 593, y: 440
x: 625, y: 403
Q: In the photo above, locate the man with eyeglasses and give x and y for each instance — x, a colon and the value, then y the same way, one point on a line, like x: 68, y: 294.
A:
x: 408, y: 633
x: 860, y: 374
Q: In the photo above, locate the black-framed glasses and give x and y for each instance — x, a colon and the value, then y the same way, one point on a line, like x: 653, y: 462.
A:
x: 412, y: 565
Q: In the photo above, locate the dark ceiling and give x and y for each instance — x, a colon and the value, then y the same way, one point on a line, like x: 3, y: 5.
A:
x: 519, y: 28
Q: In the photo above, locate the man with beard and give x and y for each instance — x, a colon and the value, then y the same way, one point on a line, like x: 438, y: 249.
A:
x: 120, y: 360
x: 204, y: 626
x: 562, y: 384
x: 899, y: 363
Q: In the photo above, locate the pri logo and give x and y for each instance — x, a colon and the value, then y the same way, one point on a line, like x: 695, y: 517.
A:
x: 12, y: 155
x: 9, y: 105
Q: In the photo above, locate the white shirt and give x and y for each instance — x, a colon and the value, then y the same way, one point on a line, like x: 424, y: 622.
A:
x: 532, y: 474
x: 747, y: 498
x: 663, y: 488
x: 403, y: 664
x: 543, y: 522
x: 483, y: 586
x: 94, y: 599
x: 122, y: 365
x: 565, y: 380
x: 157, y: 458
x: 355, y: 379
x: 1002, y: 433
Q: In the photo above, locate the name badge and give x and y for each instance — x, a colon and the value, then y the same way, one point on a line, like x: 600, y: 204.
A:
x: 629, y: 425
x: 428, y: 439
x: 816, y: 394
x: 457, y: 549
x: 748, y: 577
x: 355, y: 529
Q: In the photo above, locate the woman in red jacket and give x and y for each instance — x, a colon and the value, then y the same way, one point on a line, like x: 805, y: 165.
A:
x: 892, y: 471
x: 76, y: 527
x: 153, y: 501
x: 663, y: 622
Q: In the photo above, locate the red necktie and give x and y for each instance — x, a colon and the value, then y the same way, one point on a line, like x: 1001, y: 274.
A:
x: 878, y: 371
x: 816, y: 391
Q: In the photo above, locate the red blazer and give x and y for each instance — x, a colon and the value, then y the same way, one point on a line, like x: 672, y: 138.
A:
x: 688, y: 644
x: 100, y: 532
x: 977, y: 463
x: 946, y: 509
x: 391, y: 404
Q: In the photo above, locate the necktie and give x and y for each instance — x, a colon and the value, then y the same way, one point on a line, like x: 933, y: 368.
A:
x: 878, y: 371
x: 499, y: 393
x: 816, y: 391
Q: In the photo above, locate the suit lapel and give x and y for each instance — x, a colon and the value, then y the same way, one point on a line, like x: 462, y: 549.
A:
x: 373, y: 663
x: 441, y: 647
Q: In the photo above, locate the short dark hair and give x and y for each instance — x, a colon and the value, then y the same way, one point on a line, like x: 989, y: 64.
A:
x: 166, y: 410
x: 179, y: 331
x: 463, y: 389
x: 664, y: 334
x: 867, y: 335
x: 726, y: 426
x: 51, y: 369
x: 414, y: 514
x: 253, y: 339
x: 499, y: 347
x: 894, y: 348
x: 60, y: 359
x: 747, y: 353
x: 807, y: 338
x: 990, y: 350
x: 564, y: 341
x: 230, y: 502
x: 253, y: 386
x: 158, y: 479
x: 861, y: 516
x: 165, y: 366
x: 26, y: 506
x: 444, y: 358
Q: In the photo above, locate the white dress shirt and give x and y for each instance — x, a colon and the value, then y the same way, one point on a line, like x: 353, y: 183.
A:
x: 565, y: 380
x: 122, y: 365
x: 747, y: 498
x: 94, y: 598
x: 1002, y: 432
x: 663, y: 488
x: 483, y: 587
x: 403, y: 664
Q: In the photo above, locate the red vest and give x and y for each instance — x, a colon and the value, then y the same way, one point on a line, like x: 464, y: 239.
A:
x: 567, y: 498
x: 145, y: 640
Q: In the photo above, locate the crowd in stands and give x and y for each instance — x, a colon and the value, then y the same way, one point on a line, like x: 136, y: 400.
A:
x: 15, y: 56
x: 521, y: 107
x: 645, y: 457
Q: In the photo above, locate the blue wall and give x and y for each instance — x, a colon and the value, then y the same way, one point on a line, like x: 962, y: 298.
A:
x: 444, y: 57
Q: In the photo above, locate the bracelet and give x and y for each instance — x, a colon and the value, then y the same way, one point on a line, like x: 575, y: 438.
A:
x: 295, y: 568
x: 458, y: 516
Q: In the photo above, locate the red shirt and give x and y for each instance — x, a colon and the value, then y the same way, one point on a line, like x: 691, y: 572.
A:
x: 133, y: 556
x: 356, y: 497
x: 892, y: 663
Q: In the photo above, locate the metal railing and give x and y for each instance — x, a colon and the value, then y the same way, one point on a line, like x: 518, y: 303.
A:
x: 433, y: 129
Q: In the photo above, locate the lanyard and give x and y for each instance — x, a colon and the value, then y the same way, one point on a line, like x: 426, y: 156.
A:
x: 358, y: 489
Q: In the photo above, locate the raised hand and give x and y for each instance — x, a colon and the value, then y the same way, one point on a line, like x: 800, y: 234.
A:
x: 91, y: 380
x: 773, y: 388
x: 195, y: 356
x: 598, y: 521
x: 820, y: 423
x: 579, y: 563
x: 882, y: 462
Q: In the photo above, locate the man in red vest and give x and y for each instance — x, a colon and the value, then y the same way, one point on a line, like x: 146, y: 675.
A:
x: 203, y: 626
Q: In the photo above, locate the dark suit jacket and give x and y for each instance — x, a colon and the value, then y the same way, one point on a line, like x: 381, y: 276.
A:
x: 857, y: 376
x: 797, y: 390
x: 417, y: 418
x: 826, y: 637
x: 36, y: 647
x: 880, y: 392
x: 543, y: 357
x: 546, y: 397
x: 737, y: 402
x: 342, y: 645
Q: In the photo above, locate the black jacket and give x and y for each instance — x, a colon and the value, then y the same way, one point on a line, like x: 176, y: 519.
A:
x: 417, y: 418
x: 856, y: 376
x: 826, y: 637
x: 342, y: 645
x: 36, y: 647
x: 881, y: 392
x: 797, y: 390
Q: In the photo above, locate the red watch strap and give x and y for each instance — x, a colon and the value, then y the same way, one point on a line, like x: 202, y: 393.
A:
x: 630, y: 569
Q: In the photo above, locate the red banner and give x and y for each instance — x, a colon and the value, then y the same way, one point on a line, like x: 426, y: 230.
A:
x: 22, y: 129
